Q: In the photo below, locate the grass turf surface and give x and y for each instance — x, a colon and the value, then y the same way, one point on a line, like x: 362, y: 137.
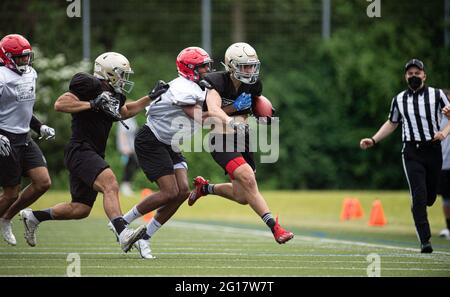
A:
x: 217, y: 237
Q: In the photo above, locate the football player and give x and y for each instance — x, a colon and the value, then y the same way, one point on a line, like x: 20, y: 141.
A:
x: 94, y: 101
x: 19, y: 154
x: 159, y: 156
x: 231, y: 92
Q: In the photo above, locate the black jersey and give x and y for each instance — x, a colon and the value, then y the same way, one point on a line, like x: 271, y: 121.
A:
x: 91, y: 126
x: 222, y: 83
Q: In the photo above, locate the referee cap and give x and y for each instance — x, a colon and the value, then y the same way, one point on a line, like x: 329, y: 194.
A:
x: 414, y: 62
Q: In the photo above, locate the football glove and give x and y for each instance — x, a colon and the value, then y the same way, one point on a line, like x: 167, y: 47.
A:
x: 47, y: 132
x: 5, y: 146
x: 242, y: 102
x: 239, y: 127
x: 107, y: 104
x: 160, y: 88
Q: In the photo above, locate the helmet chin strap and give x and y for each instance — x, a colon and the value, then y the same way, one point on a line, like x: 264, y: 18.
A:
x: 117, y: 88
x: 226, y: 67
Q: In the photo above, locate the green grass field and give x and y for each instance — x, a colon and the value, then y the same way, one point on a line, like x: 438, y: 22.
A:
x: 219, y: 238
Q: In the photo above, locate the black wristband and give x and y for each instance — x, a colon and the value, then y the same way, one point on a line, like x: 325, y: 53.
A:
x: 35, y: 125
x: 92, y: 103
x: 373, y: 140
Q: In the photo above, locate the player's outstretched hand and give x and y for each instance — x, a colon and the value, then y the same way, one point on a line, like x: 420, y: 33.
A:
x: 5, y: 146
x: 47, y: 132
x: 366, y: 143
x: 160, y: 88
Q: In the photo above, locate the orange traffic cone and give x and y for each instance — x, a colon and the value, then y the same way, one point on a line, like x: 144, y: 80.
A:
x: 346, y: 212
x: 377, y: 214
x: 357, y: 210
x: 145, y: 193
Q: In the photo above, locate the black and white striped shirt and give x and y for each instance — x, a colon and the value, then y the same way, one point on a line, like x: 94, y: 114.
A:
x: 419, y: 112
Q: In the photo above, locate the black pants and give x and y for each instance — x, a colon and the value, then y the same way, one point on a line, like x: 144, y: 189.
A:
x: 422, y: 162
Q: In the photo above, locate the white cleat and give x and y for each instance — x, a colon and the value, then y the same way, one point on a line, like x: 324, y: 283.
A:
x: 128, y: 237
x: 143, y: 247
x: 8, y: 236
x: 31, y: 225
x: 445, y: 233
x: 113, y: 230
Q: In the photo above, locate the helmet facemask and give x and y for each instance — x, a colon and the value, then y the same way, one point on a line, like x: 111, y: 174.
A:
x: 123, y: 83
x: 208, y: 63
x: 247, y: 73
x: 22, y: 67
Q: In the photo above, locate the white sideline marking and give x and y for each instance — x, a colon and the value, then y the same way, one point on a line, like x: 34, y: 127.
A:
x: 303, y: 238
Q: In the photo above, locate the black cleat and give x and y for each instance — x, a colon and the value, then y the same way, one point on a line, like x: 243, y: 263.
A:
x: 425, y: 248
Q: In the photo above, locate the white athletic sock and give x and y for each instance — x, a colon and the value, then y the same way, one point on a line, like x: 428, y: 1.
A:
x: 132, y: 215
x: 152, y: 227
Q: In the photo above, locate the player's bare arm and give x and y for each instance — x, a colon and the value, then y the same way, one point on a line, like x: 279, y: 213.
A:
x: 385, y: 130
x: 214, y: 101
x: 70, y: 103
x: 132, y: 108
x: 195, y: 112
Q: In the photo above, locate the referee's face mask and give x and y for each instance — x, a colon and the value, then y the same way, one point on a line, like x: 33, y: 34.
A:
x: 415, y: 78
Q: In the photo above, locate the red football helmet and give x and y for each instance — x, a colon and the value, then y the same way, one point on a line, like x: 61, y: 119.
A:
x: 16, y: 53
x: 190, y: 59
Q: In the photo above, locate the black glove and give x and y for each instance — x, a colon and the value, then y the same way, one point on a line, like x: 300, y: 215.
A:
x: 160, y: 88
x: 107, y: 104
x: 95, y: 103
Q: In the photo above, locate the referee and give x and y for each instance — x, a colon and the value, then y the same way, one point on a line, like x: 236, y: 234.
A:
x: 419, y: 110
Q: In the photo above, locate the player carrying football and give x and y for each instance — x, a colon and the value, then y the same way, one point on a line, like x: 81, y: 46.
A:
x: 231, y: 92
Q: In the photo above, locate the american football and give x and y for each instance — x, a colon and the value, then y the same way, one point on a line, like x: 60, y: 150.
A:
x: 262, y: 107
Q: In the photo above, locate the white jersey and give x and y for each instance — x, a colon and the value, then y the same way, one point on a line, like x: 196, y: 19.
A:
x: 166, y: 117
x: 17, y: 97
x: 445, y: 147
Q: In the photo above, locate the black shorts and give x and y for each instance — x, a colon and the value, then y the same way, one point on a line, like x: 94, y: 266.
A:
x: 231, y: 147
x: 84, y: 165
x: 21, y: 159
x: 156, y: 158
x: 444, y: 184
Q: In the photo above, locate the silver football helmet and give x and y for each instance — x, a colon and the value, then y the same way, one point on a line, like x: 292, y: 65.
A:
x: 114, y: 68
x: 243, y: 63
